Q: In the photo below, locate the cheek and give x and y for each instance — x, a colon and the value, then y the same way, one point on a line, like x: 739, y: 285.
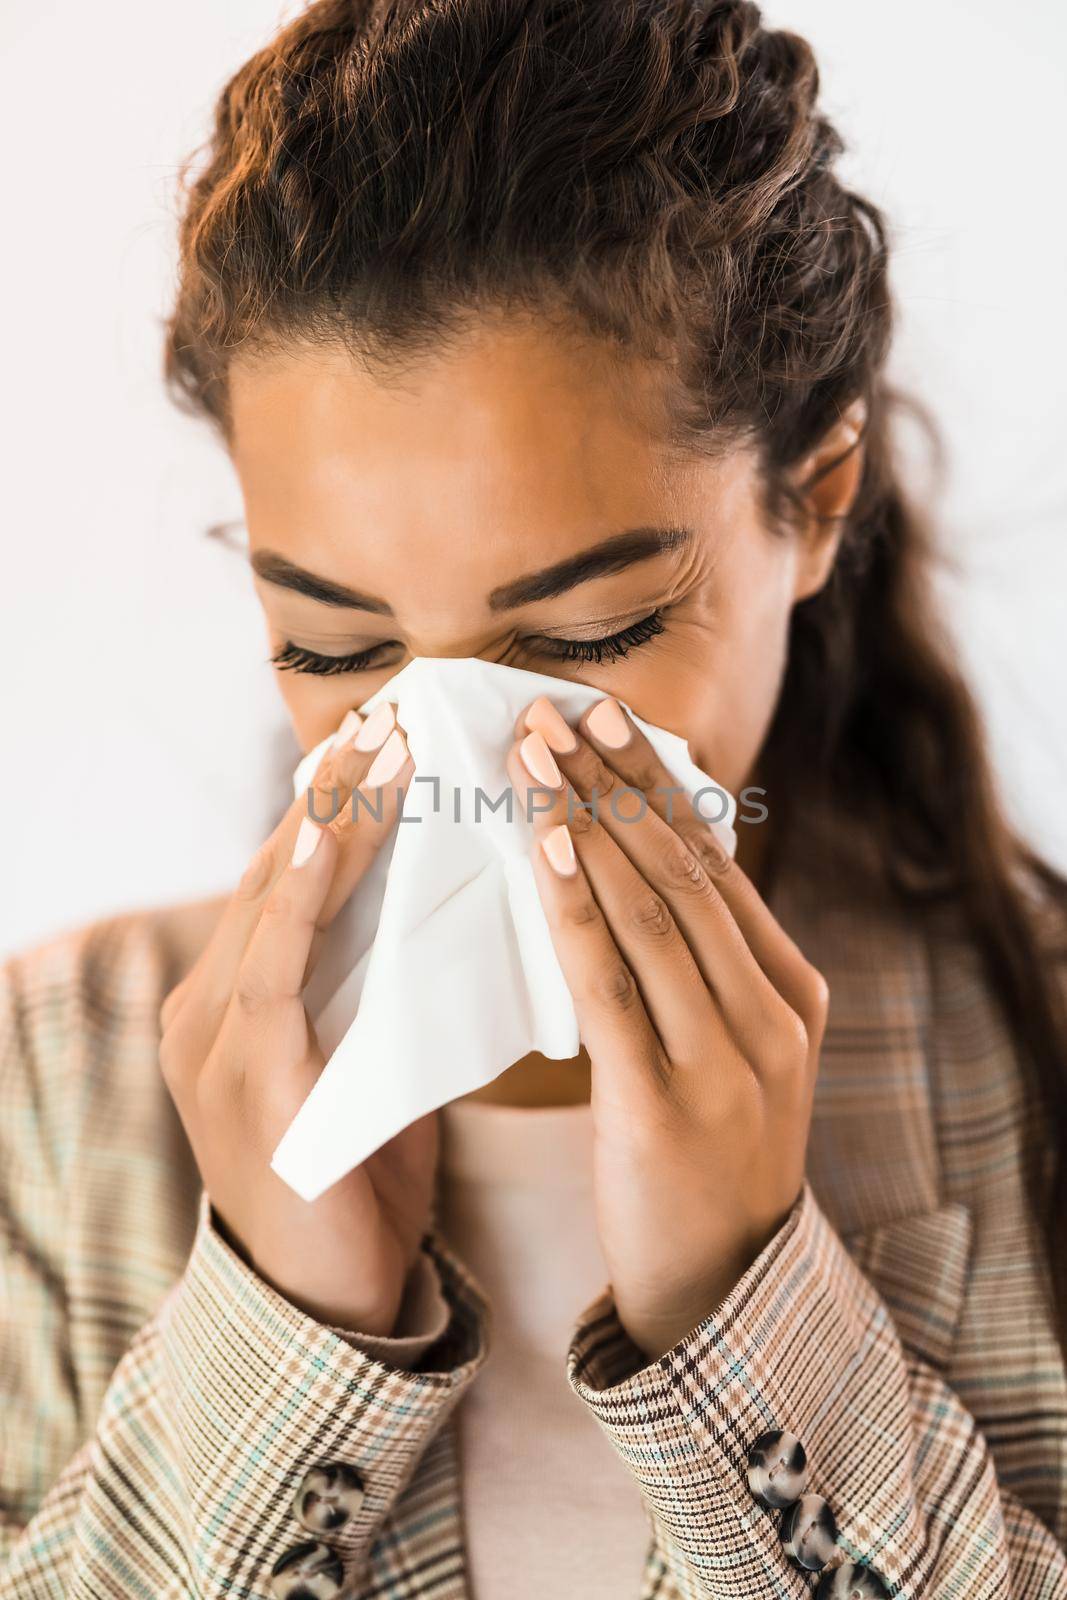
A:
x: 745, y: 662
x: 716, y: 677
x: 750, y: 681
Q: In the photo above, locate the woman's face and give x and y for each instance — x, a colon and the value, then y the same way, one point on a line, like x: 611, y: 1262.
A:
x: 511, y: 499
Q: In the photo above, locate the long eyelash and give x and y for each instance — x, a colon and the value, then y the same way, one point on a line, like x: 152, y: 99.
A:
x: 613, y: 645
x: 294, y: 658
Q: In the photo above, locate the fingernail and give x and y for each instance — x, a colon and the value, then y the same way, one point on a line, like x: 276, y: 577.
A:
x: 537, y: 758
x: 544, y: 719
x: 388, y: 762
x: 376, y: 727
x: 307, y: 837
x: 608, y: 725
x: 350, y: 722
x: 559, y: 849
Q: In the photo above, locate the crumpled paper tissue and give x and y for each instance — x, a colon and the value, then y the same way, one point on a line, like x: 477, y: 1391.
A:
x: 439, y: 973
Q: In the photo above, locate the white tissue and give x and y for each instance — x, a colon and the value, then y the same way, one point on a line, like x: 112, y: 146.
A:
x: 439, y: 972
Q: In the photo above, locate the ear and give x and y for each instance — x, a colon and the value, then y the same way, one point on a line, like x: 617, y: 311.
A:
x: 828, y: 481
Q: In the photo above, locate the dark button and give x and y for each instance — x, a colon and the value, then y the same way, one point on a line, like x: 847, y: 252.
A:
x: 809, y: 1532
x: 851, y: 1581
x: 310, y: 1571
x: 777, y: 1469
x: 329, y: 1496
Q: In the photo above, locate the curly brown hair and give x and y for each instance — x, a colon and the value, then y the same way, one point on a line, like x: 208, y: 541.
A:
x: 660, y: 171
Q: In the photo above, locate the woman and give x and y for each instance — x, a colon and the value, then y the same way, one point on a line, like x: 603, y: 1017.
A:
x: 546, y: 334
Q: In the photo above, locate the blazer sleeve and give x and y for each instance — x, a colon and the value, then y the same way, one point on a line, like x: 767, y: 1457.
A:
x: 805, y: 1344
x: 230, y: 1417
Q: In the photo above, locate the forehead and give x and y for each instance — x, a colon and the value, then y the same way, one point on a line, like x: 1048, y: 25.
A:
x: 509, y: 449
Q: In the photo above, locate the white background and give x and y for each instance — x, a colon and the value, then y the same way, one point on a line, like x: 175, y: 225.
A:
x: 146, y: 748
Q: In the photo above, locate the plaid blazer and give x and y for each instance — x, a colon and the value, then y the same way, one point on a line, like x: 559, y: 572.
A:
x: 162, y: 1404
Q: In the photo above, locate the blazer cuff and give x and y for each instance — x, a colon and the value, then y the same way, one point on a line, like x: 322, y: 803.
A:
x: 258, y: 1392
x: 804, y: 1343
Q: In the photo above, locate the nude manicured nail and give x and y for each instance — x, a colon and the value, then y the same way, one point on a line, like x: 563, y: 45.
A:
x: 559, y: 850
x: 537, y: 759
x: 545, y: 719
x: 608, y: 725
x: 350, y: 722
x: 307, y: 837
x: 377, y: 726
x: 388, y: 762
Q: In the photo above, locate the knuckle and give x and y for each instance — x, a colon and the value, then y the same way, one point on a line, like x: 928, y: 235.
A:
x: 257, y: 874
x: 643, y: 775
x: 583, y: 913
x: 341, y: 829
x: 594, y: 773
x: 251, y: 992
x: 663, y: 1074
x: 581, y: 821
x: 682, y: 870
x: 709, y: 852
x: 650, y: 916
x: 789, y: 1040
x: 325, y: 773
x: 324, y: 801
x: 817, y: 994
x: 613, y: 985
x: 277, y: 907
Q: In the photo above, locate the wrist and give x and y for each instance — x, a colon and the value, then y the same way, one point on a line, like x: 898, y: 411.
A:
x: 375, y: 1316
x: 658, y: 1328
x: 654, y: 1334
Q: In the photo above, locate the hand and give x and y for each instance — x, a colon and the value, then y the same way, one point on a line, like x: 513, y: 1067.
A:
x: 702, y: 1020
x: 239, y: 1056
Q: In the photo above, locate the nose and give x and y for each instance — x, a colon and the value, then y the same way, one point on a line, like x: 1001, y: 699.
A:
x: 451, y: 649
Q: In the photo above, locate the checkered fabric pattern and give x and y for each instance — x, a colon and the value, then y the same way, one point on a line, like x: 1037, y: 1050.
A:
x: 161, y: 1404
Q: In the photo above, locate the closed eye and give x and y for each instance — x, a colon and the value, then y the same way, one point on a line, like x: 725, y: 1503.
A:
x: 609, y: 647
x: 294, y: 658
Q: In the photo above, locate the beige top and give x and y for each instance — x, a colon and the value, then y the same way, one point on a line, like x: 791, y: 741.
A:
x: 544, y: 1492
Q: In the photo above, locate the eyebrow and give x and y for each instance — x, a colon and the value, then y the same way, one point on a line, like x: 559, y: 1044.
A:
x: 611, y: 555
x: 622, y: 550
x: 275, y: 568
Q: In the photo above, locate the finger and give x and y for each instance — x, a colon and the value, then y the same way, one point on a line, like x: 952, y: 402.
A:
x: 612, y: 1020
x: 345, y: 762
x: 582, y: 790
x: 627, y: 752
x: 375, y: 798
x: 370, y: 781
x: 671, y: 985
x: 269, y: 1052
x: 267, y: 977
x: 268, y: 987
